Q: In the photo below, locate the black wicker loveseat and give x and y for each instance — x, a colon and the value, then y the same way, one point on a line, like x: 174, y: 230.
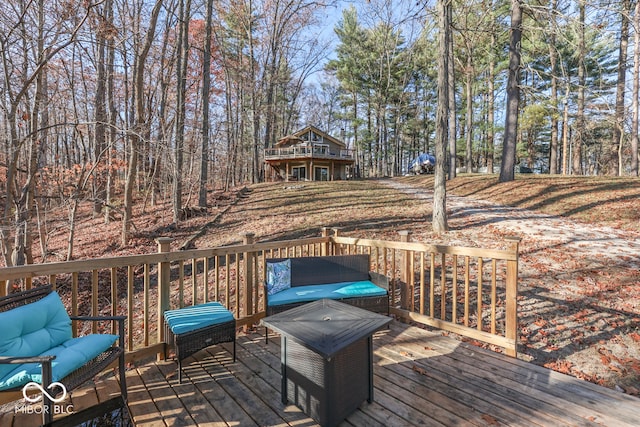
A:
x: 37, y: 346
x: 346, y: 278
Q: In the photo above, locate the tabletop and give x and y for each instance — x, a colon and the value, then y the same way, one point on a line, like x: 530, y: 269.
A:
x: 326, y: 326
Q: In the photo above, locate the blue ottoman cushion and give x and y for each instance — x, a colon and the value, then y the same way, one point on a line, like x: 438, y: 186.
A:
x: 189, y: 319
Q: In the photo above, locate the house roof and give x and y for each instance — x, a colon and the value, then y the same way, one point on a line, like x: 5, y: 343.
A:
x: 297, y: 136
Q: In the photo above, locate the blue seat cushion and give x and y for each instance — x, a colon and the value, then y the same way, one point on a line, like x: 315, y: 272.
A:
x: 70, y: 355
x: 342, y: 290
x: 189, y: 319
x: 33, y: 328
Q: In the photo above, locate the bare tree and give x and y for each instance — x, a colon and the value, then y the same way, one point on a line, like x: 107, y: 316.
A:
x: 29, y: 88
x: 636, y: 91
x: 135, y: 134
x: 507, y: 169
x: 104, y: 32
x: 439, y: 220
x: 184, y: 15
x: 553, y: 62
x: 615, y: 154
x: 576, y: 168
x: 206, y: 90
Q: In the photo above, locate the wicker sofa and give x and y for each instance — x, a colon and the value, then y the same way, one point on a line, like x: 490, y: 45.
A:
x: 345, y: 278
x: 36, y: 345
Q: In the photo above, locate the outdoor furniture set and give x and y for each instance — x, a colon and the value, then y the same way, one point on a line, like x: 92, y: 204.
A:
x: 326, y: 345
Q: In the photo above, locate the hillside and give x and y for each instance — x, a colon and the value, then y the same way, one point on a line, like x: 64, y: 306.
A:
x: 289, y: 210
x: 580, y: 301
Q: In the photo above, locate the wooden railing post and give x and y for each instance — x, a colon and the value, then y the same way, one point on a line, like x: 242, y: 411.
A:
x: 325, y: 248
x: 511, y: 303
x: 249, y: 263
x: 405, y: 268
x: 337, y: 250
x: 164, y: 283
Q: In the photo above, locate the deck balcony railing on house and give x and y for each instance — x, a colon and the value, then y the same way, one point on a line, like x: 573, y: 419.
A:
x: 469, y: 291
x: 316, y: 151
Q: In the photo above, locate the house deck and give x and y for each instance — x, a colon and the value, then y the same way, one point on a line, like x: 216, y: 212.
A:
x: 420, y: 378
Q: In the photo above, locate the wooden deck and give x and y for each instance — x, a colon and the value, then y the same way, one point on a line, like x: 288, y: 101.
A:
x: 421, y: 378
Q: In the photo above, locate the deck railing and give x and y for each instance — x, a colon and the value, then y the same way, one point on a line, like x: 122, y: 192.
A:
x: 469, y: 291
x: 305, y: 151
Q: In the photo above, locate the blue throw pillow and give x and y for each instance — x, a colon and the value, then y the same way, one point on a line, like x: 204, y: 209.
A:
x: 278, y: 276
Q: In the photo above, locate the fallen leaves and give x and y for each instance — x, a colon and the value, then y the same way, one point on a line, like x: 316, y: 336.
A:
x: 490, y: 420
x: 419, y: 370
x: 562, y: 366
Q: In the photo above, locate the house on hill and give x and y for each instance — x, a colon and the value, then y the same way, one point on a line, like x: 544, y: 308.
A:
x: 308, y: 155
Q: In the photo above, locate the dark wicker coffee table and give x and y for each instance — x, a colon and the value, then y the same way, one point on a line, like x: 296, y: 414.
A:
x: 326, y: 357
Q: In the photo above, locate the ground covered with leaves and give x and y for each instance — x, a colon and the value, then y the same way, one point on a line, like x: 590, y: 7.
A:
x: 579, y: 274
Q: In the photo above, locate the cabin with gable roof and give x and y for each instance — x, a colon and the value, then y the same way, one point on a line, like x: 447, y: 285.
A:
x: 308, y: 155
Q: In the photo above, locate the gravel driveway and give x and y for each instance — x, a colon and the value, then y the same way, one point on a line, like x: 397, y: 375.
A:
x: 579, y: 305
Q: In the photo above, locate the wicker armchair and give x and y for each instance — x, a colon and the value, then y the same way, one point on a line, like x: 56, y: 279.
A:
x: 77, y: 377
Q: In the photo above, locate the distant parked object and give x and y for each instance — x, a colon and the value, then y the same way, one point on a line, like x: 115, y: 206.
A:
x: 424, y: 163
x: 525, y: 169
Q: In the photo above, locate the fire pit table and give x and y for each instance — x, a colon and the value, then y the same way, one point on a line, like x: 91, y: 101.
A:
x: 326, y: 357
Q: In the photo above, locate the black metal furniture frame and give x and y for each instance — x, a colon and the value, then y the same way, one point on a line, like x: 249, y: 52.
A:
x: 191, y: 342
x: 80, y: 375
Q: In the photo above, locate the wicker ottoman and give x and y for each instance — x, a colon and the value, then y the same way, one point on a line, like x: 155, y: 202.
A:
x: 191, y: 329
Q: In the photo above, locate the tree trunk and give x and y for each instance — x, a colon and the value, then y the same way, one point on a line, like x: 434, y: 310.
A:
x: 113, y: 115
x: 73, y: 211
x: 100, y: 106
x: 553, y: 62
x: 181, y: 68
x: 576, y: 168
x: 507, y: 169
x: 636, y: 91
x: 255, y: 96
x: 469, y: 116
x: 140, y: 123
x: 206, y: 89
x: 491, y: 103
x: 565, y: 130
x: 451, y: 88
x: 614, y: 163
x: 439, y: 220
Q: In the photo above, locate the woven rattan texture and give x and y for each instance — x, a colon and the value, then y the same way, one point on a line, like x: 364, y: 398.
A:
x: 327, y: 390
x: 191, y: 342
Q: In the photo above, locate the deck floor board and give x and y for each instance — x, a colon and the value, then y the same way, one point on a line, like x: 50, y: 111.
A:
x: 420, y: 378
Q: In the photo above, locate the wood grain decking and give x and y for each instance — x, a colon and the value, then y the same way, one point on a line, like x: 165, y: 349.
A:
x: 421, y: 378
